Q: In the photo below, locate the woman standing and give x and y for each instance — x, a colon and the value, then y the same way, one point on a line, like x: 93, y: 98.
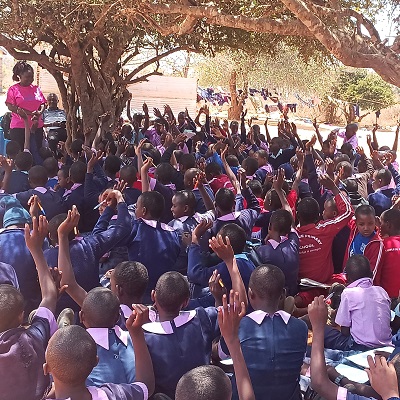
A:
x: 23, y: 98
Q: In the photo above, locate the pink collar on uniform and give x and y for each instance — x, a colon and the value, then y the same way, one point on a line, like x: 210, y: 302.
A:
x: 100, y: 336
x: 259, y: 315
x: 41, y: 189
x: 229, y: 217
x: 165, y: 328
x: 74, y: 186
x: 275, y: 244
x: 362, y: 282
x: 153, y: 224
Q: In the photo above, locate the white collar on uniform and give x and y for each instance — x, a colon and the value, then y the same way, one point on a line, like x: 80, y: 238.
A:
x: 165, y: 328
x: 153, y: 224
x: 100, y: 336
x: 229, y: 217
x: 259, y: 315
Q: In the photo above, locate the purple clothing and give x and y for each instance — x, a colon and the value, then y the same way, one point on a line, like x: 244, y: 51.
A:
x: 22, y: 357
x: 353, y: 140
x: 365, y: 309
x: 8, y: 275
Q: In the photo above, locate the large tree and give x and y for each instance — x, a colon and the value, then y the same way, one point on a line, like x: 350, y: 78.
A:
x: 344, y: 28
x: 87, y: 48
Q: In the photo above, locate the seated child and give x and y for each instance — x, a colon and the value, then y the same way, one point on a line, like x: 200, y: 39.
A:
x: 264, y: 168
x: 128, y: 174
x: 51, y: 166
x: 364, y: 238
x: 363, y: 313
x: 273, y: 342
x: 49, y: 200
x: 282, y: 249
x: 72, y: 354
x: 189, y: 181
x: 18, y: 181
x: 387, y: 274
x: 381, y: 199
x: 152, y: 243
x: 216, y: 179
x: 250, y: 165
x: 22, y: 349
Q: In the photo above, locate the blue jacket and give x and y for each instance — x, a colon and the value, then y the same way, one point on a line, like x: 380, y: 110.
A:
x: 18, y: 182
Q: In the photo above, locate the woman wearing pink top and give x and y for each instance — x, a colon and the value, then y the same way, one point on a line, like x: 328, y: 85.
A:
x: 25, y: 98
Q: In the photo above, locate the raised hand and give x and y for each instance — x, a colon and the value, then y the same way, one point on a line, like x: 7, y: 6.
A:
x: 139, y: 316
x: 318, y: 313
x: 113, y: 198
x: 157, y: 112
x: 200, y: 230
x: 278, y: 180
x: 56, y: 274
x: 217, y: 287
x: 327, y: 182
x: 300, y: 156
x: 222, y: 249
x: 138, y: 148
x: 360, y: 151
x: 70, y: 223
x: 34, y: 239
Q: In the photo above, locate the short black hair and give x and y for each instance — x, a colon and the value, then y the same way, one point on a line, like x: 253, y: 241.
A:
x: 77, y: 172
x: 45, y: 152
x: 236, y: 235
x: 19, y: 68
x: 282, y: 221
x: 133, y: 277
x: 365, y: 209
x: 76, y: 146
x: 12, y: 148
x: 351, y: 185
x: 250, y: 164
x: 225, y: 199
x: 128, y: 174
x: 51, y: 165
x: 172, y: 290
x: 112, y: 164
x: 267, y: 282
x: 346, y: 148
x: 187, y: 198
x: 393, y: 216
x: 101, y: 308
x: 357, y: 267
x: 11, y: 306
x: 154, y: 203
x: 71, y: 354
x: 38, y: 176
x: 308, y: 210
x: 55, y: 222
x: 256, y: 187
x: 24, y: 161
x: 232, y: 160
x: 65, y: 170
x: 384, y: 175
x: 262, y: 153
x: 187, y: 161
x: 164, y: 173
x: 207, y: 382
x: 213, y: 169
x: 347, y: 167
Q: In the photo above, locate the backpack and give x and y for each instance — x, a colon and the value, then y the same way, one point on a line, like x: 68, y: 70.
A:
x: 5, y: 125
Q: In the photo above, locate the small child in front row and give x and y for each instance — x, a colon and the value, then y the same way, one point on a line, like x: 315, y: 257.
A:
x: 22, y: 377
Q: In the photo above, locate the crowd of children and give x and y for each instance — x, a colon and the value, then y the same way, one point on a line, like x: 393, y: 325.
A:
x: 138, y: 263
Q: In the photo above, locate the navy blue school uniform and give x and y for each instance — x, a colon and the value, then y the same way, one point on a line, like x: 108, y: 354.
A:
x: 200, y: 206
x: 18, y: 182
x: 167, y: 192
x: 8, y: 275
x: 49, y: 199
x: 13, y: 251
x: 285, y: 255
x: 199, y: 274
x: 180, y: 345
x: 76, y: 196
x: 86, y: 253
x: 273, y: 348
x: 262, y: 173
x: 156, y: 246
x: 263, y: 222
x: 381, y: 200
x: 116, y: 357
x: 131, y: 195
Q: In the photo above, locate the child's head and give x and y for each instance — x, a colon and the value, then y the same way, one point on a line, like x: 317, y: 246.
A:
x: 127, y: 131
x: 11, y: 307
x: 346, y: 168
x: 183, y: 204
x: 63, y: 177
x: 51, y: 166
x: 281, y: 222
x: 112, y: 164
x: 232, y: 160
x: 224, y: 201
x: 347, y: 149
x: 54, y: 223
x: 70, y: 356
x: 45, y: 152
x: 250, y: 165
x: 24, y: 161
x: 12, y: 149
x: 236, y: 235
x: 351, y: 185
x: 357, y: 267
x: 266, y: 286
x: 381, y: 178
x: 330, y: 209
x: 390, y: 222
x: 37, y: 176
x: 129, y: 281
x: 351, y: 130
x: 212, y: 170
x: 326, y: 146
x: 234, y: 126
x: 207, y: 382
x: 189, y: 177
x: 77, y: 172
x: 365, y: 220
x: 186, y: 162
x: 100, y: 309
x: 150, y: 205
x: 308, y: 211
x: 164, y: 173
x: 76, y: 147
x: 128, y: 174
x: 256, y: 187
x: 171, y: 293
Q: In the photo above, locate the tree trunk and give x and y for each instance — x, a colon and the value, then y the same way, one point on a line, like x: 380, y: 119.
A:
x: 236, y: 107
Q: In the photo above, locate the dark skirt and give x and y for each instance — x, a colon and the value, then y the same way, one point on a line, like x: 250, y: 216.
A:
x: 18, y: 135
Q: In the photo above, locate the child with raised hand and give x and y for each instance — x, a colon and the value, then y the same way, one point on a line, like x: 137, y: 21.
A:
x: 71, y: 356
x: 382, y: 376
x: 22, y: 377
x: 100, y: 314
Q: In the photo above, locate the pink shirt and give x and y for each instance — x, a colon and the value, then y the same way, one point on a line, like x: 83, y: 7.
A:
x: 28, y: 97
x: 353, y: 140
x: 365, y: 309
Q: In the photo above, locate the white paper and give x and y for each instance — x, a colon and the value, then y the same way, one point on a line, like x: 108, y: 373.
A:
x: 354, y: 374
x: 361, y: 359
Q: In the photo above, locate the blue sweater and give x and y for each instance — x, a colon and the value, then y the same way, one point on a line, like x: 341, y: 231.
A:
x: 87, y: 251
x: 18, y: 182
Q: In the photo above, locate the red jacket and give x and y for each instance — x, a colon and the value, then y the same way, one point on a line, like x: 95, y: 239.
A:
x: 388, y: 274
x: 373, y: 250
x: 316, y: 242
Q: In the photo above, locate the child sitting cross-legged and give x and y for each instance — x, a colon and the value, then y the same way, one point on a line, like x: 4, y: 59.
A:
x: 22, y: 349
x: 100, y: 314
